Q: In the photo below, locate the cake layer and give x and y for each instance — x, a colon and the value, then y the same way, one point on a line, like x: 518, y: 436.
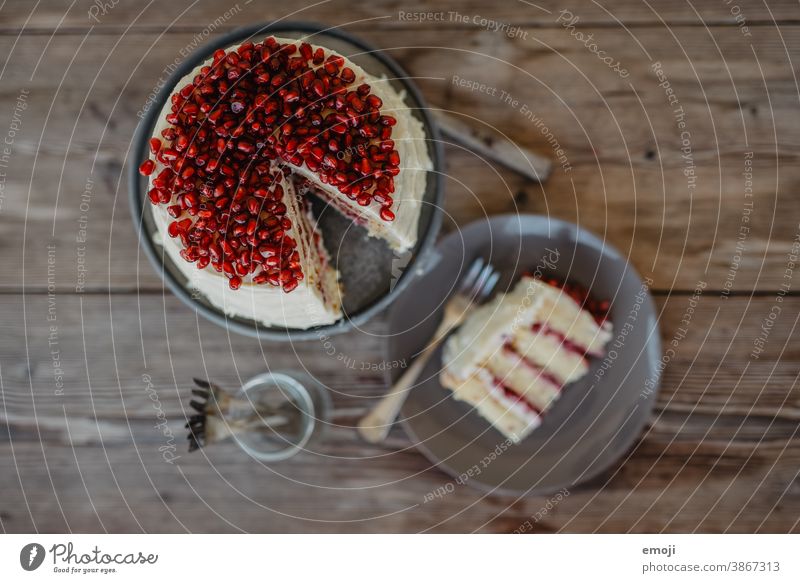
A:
x: 512, y: 418
x: 560, y: 313
x: 547, y: 350
x: 512, y: 356
x: 531, y: 383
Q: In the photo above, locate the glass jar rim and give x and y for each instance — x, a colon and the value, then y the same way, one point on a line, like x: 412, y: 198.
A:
x: 305, y: 405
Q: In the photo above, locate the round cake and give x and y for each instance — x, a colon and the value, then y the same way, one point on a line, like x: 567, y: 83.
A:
x: 244, y: 141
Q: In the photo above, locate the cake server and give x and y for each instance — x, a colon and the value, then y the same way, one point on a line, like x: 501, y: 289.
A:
x: 475, y: 288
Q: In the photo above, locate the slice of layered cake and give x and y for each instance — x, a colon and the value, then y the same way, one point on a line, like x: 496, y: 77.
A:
x: 229, y: 149
x: 514, y: 355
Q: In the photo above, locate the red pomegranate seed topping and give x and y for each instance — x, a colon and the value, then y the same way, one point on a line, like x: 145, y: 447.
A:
x: 243, y: 116
x: 387, y: 214
x: 147, y: 167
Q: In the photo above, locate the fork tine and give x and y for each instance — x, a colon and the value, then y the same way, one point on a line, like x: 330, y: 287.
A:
x: 487, y: 288
x: 480, y: 281
x: 472, y: 275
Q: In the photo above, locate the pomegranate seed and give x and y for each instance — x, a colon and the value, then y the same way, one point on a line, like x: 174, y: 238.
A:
x: 318, y: 87
x: 387, y: 214
x: 147, y: 167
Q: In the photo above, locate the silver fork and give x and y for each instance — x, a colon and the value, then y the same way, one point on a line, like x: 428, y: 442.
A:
x: 473, y: 289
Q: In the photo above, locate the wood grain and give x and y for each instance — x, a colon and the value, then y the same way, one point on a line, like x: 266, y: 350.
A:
x: 722, y: 448
x: 620, y: 137
x: 189, y: 14
x: 722, y: 419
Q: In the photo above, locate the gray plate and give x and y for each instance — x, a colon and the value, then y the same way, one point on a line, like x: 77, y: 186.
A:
x: 371, y: 274
x: 595, y: 421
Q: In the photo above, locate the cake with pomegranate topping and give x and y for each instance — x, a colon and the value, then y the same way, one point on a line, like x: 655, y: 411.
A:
x: 514, y: 355
x: 238, y: 148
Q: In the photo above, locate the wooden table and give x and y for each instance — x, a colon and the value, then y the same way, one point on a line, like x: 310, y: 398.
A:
x: 85, y: 317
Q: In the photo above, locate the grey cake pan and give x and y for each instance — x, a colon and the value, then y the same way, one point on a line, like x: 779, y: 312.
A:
x: 369, y: 269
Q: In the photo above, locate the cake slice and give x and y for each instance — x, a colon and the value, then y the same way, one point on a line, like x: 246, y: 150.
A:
x: 513, y: 356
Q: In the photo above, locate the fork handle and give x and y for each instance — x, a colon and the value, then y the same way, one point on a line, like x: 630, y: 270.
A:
x: 375, y: 426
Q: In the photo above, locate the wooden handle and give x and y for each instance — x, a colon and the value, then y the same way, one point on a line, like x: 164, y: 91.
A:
x: 493, y: 146
x: 375, y: 426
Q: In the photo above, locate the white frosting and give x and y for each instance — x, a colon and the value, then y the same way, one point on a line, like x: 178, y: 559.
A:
x: 317, y: 299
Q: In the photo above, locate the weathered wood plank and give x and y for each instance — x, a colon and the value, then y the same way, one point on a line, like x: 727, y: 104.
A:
x: 721, y: 452
x: 713, y: 72
x: 385, y: 13
x: 672, y: 236
x: 713, y: 368
x: 620, y: 137
x: 223, y: 492
x: 719, y: 419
